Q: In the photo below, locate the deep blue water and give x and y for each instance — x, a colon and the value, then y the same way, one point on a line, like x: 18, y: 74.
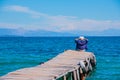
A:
x: 21, y: 52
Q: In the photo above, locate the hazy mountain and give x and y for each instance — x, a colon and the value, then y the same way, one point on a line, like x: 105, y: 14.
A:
x: 11, y: 32
x: 111, y: 32
x: 21, y: 32
x: 46, y: 33
x: 108, y: 32
x: 4, y: 31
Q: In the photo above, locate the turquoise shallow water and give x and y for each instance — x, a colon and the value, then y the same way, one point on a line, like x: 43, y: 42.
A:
x: 21, y: 52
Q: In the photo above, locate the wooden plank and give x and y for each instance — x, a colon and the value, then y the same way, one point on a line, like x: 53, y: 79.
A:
x: 54, y: 68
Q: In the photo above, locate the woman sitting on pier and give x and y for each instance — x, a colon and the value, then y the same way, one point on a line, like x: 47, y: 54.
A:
x: 81, y: 43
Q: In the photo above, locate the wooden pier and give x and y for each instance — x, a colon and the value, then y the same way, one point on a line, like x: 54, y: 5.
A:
x: 69, y: 65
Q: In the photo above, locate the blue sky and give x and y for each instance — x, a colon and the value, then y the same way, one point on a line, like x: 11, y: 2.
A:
x: 60, y: 15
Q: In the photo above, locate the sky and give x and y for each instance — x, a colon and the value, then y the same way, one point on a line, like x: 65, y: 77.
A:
x: 60, y: 15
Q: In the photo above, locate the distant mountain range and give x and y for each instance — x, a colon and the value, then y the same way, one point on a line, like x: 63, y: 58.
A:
x: 35, y: 33
x: 27, y: 33
x: 108, y: 32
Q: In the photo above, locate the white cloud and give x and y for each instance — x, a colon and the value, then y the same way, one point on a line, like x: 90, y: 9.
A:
x: 59, y: 22
x: 17, y: 8
x: 9, y: 25
x: 24, y: 10
x: 84, y: 24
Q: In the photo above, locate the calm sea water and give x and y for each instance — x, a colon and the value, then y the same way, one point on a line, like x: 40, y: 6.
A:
x: 21, y: 52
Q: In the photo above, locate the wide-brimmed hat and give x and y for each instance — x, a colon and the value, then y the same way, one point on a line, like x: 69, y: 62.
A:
x: 82, y: 37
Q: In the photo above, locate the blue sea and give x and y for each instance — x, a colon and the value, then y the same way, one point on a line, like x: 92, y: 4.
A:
x: 22, y: 52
